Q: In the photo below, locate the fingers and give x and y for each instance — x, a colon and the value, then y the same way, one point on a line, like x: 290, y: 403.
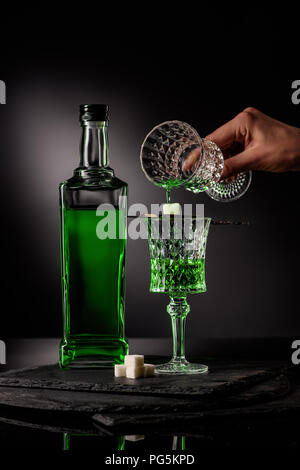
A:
x: 233, y: 131
x: 238, y: 130
x: 241, y: 162
x: 191, y: 159
x: 224, y: 136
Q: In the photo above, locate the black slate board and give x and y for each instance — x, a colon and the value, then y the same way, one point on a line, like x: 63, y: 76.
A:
x: 146, y: 412
x: 267, y: 397
x: 92, y: 401
x: 223, y: 378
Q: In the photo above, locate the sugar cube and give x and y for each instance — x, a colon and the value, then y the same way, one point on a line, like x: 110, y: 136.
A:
x: 134, y: 360
x: 120, y: 370
x: 173, y: 208
x: 149, y: 370
x: 134, y: 372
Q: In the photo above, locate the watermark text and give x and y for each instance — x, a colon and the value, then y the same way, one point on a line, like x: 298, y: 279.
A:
x: 296, y: 354
x: 2, y: 352
x: 295, y: 97
x: 2, y: 92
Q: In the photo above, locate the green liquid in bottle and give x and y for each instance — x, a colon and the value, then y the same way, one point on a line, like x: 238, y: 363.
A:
x: 94, y: 283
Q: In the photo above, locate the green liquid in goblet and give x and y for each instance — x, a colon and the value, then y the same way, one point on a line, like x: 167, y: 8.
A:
x: 178, y: 276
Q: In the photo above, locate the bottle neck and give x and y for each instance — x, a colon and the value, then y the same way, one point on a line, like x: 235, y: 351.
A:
x: 93, y: 148
x: 94, y: 145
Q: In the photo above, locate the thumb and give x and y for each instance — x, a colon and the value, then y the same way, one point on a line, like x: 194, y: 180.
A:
x: 241, y: 162
x: 225, y: 135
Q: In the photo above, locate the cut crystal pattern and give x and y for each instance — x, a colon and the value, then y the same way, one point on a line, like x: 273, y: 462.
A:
x: 169, y: 144
x: 177, y: 250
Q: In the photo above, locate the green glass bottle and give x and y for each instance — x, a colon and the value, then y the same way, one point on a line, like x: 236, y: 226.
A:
x: 93, y: 260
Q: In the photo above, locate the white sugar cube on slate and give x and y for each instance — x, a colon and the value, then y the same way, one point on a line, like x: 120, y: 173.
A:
x: 134, y: 372
x: 149, y: 370
x: 134, y: 367
x: 134, y: 360
x: 173, y: 208
x: 120, y: 370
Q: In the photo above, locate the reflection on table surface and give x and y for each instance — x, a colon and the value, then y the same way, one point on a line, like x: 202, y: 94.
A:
x: 128, y: 442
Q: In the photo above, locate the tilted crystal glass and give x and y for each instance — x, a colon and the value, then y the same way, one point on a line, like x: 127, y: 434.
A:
x: 167, y: 147
x: 177, y: 248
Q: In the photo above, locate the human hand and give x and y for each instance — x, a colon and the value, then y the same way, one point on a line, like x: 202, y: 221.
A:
x: 254, y: 141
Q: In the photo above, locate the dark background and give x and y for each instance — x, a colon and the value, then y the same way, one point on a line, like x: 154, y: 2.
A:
x: 202, y: 72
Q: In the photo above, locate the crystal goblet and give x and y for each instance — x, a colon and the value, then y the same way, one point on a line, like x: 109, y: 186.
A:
x: 177, y: 252
x: 168, y: 145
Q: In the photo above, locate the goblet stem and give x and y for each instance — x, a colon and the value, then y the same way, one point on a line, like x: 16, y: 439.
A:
x: 178, y: 309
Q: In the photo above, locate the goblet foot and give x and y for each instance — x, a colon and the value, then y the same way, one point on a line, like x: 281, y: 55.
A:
x: 181, y: 367
x: 231, y: 190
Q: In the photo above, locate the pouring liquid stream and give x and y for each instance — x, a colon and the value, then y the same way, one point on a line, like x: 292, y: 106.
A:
x: 168, y: 196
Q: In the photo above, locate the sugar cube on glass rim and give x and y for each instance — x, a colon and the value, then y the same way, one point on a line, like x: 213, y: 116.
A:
x: 172, y: 208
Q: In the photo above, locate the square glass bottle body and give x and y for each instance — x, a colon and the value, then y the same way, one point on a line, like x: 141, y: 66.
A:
x: 93, y: 266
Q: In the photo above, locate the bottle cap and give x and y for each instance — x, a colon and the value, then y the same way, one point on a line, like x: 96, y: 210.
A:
x: 93, y: 112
